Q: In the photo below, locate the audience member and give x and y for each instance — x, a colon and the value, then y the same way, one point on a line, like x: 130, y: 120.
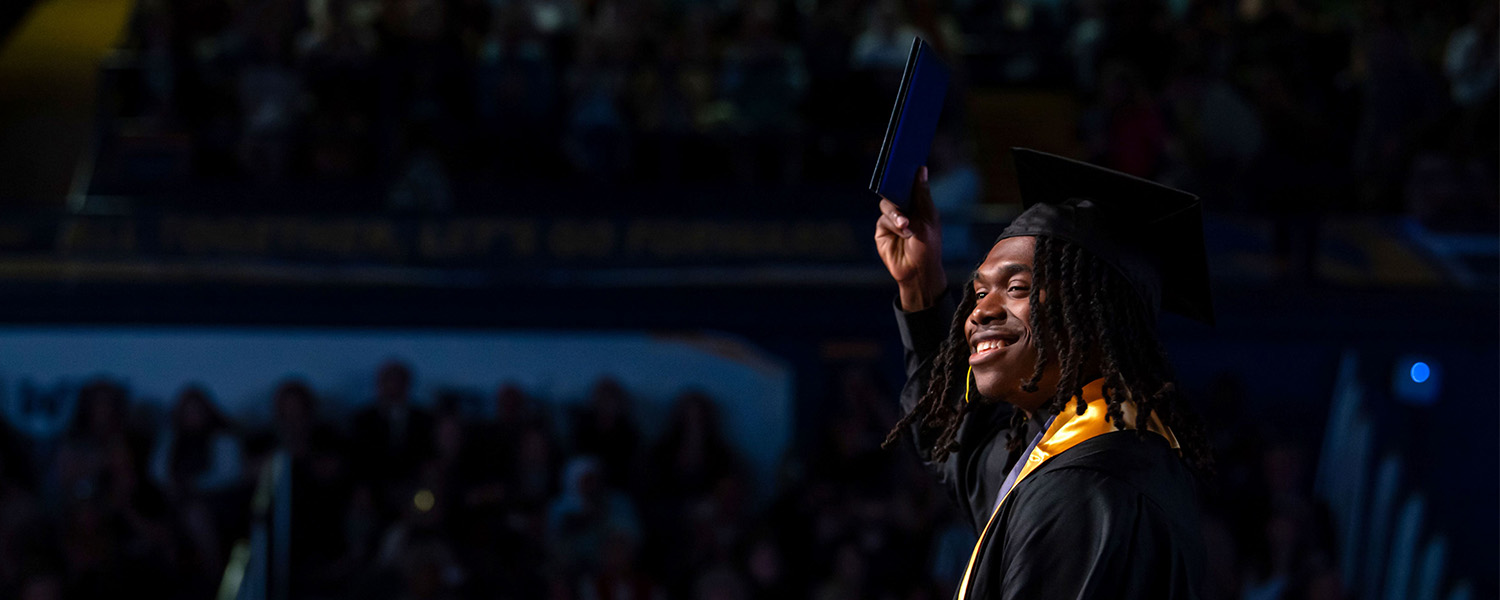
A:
x: 606, y: 429
x: 391, y: 438
x: 198, y: 453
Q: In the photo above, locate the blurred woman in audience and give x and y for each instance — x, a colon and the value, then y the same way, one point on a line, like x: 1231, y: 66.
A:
x: 196, y: 461
x: 692, y: 455
x: 296, y: 417
x: 198, y: 453
x: 98, y: 424
x: 606, y: 429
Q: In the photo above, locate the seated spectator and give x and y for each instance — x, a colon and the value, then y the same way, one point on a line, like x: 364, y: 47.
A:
x: 606, y: 429
x: 339, y: 519
x: 491, y: 448
x: 515, y: 410
x: 1470, y: 60
x: 15, y: 459
x: 269, y: 92
x: 533, y: 478
x: 763, y: 78
x: 720, y: 583
x: 43, y: 586
x: 198, y: 453
x: 597, y: 139
x: 119, y: 538
x: 516, y: 93
x: 1126, y: 131
x: 196, y: 462
x: 956, y: 187
x: 587, y: 515
x: 22, y: 547
x: 423, y: 184
x: 847, y: 581
x: 296, y: 417
x: 429, y: 572
x: 331, y: 41
x: 97, y: 427
x: 390, y: 436
x: 692, y: 456
x: 765, y: 570
x: 618, y: 577
x: 415, y: 547
x: 885, y: 42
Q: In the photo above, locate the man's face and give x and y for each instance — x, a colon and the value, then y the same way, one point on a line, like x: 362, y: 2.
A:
x: 1002, y: 346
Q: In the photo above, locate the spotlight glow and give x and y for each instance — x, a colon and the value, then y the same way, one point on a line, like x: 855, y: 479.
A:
x: 1420, y: 372
x: 424, y: 500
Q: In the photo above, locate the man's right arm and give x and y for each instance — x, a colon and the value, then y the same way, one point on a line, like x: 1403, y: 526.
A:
x: 923, y: 332
x: 910, y: 244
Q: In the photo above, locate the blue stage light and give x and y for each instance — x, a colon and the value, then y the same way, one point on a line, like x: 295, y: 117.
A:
x: 1419, y: 372
x: 1416, y: 380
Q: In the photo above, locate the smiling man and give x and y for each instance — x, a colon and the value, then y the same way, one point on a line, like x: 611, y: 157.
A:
x: 1044, y: 401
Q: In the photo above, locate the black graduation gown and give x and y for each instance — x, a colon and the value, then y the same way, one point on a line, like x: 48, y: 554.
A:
x: 1114, y: 517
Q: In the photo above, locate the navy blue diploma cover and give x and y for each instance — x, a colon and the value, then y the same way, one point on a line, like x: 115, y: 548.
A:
x: 908, y: 136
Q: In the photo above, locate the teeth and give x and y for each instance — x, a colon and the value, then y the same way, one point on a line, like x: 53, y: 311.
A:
x: 988, y: 345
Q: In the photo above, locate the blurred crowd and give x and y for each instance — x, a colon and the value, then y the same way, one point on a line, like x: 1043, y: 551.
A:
x: 424, y: 91
x: 407, y: 500
x: 1281, y: 106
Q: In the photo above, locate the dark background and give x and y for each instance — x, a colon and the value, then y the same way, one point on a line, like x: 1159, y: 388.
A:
x: 673, y: 166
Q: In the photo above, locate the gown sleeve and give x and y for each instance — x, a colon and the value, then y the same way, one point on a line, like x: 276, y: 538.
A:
x: 973, y: 473
x: 1081, y: 534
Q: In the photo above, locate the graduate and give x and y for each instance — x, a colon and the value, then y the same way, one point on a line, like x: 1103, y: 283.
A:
x: 1043, y: 401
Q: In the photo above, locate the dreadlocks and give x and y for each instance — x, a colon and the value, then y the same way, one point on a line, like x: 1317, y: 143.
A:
x: 1094, y: 315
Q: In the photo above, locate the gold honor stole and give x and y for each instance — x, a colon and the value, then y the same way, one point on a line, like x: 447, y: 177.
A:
x: 1067, y: 430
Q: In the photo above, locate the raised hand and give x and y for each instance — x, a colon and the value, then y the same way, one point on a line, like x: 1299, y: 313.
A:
x: 911, y: 246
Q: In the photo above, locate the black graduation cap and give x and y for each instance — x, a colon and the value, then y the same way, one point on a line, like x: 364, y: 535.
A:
x: 1151, y: 233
